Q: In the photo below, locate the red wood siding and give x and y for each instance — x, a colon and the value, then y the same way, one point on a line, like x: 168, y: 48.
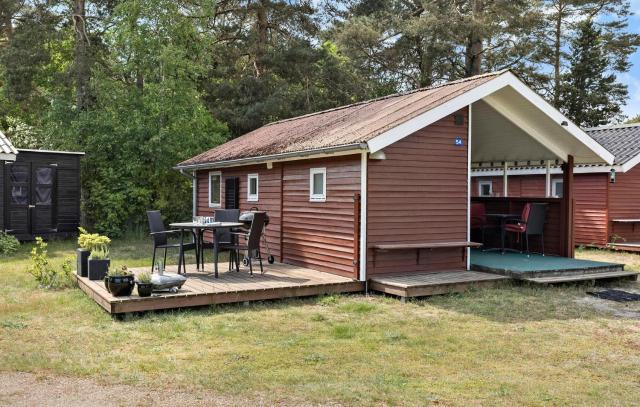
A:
x: 269, y: 198
x: 624, y: 203
x: 419, y: 194
x: 320, y: 235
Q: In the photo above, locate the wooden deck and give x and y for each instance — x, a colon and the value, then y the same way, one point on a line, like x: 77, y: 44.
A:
x: 279, y: 281
x: 423, y: 284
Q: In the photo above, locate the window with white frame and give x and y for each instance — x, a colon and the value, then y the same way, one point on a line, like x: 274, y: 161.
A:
x: 557, y: 187
x: 252, y: 187
x: 485, y: 188
x: 318, y: 184
x: 215, y: 192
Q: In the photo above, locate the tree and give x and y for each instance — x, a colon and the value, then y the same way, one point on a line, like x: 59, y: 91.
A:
x: 634, y: 119
x: 591, y: 96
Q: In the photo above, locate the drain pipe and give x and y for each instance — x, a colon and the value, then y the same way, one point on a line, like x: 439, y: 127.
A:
x: 194, y: 187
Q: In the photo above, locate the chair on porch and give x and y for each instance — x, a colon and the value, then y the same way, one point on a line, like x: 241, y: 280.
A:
x: 223, y: 236
x: 252, y: 245
x: 479, y: 219
x: 161, y: 235
x: 531, y: 223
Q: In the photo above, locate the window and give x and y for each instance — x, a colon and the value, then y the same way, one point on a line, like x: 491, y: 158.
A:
x: 557, y: 187
x: 252, y: 187
x: 318, y: 184
x: 485, y: 188
x: 215, y: 193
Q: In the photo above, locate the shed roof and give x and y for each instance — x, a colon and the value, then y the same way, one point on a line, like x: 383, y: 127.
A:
x: 623, y: 141
x: 7, y: 151
x: 343, y: 126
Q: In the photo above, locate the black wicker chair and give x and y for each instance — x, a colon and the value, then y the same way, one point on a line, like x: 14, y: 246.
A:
x: 223, y: 236
x: 252, y: 245
x: 161, y: 240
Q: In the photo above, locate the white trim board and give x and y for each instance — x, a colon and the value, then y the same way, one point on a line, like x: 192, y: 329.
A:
x: 362, y: 275
x: 482, y: 91
x: 602, y: 169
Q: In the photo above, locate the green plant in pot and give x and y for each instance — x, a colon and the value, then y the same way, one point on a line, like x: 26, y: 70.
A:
x: 145, y: 287
x: 98, y: 261
x: 119, y: 281
x: 83, y: 252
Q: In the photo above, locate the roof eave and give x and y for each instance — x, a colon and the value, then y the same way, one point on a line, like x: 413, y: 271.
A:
x: 295, y: 155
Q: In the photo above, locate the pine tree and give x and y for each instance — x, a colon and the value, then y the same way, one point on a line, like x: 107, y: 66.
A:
x: 591, y: 95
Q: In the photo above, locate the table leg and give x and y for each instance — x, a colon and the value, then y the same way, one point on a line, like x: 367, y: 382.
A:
x: 502, y: 234
x: 215, y: 254
x: 180, y: 257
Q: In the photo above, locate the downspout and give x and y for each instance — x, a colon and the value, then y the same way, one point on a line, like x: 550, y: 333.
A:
x: 194, y: 187
x: 468, y: 249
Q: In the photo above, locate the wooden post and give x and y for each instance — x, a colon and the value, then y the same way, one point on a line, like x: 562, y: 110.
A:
x: 567, y: 208
x: 505, y: 187
x: 548, y: 180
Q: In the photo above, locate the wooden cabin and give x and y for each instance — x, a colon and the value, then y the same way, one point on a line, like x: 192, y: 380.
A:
x: 384, y: 186
x: 607, y: 197
x: 39, y: 192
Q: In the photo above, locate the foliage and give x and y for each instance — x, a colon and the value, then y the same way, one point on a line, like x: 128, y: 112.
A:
x: 47, y: 275
x: 8, y: 243
x: 92, y: 241
x: 591, y: 95
x: 121, y: 271
x: 100, y: 253
x: 144, y: 278
x: 634, y: 119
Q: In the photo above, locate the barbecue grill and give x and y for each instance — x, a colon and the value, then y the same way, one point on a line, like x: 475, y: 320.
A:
x: 246, y: 218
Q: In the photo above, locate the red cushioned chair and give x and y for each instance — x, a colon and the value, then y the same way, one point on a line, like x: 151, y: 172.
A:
x: 479, y: 218
x: 533, y: 218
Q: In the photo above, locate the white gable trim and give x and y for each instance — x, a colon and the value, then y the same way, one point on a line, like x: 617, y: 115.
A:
x: 631, y: 163
x: 506, y: 79
x: 7, y: 157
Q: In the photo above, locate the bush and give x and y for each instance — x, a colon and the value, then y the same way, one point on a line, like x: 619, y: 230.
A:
x: 8, y: 244
x: 45, y: 274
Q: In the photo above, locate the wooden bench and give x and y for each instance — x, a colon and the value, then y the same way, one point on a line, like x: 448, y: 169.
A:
x: 384, y: 247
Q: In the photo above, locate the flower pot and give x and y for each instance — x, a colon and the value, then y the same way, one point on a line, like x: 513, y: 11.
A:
x: 82, y: 268
x: 120, y: 286
x: 145, y: 289
x: 98, y: 268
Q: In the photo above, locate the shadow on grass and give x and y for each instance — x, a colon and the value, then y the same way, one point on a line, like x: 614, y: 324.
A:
x: 520, y: 302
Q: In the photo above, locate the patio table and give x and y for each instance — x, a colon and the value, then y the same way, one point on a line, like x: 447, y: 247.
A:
x: 199, y: 229
x: 503, y: 218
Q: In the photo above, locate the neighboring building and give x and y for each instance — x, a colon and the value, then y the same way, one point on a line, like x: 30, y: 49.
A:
x: 39, y: 192
x: 607, y: 197
x: 383, y: 186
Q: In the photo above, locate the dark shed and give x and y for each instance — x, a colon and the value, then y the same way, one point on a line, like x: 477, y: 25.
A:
x: 40, y: 194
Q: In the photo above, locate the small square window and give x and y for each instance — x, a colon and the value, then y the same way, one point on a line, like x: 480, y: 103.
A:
x: 557, y: 188
x: 215, y: 192
x: 318, y: 184
x: 252, y: 187
x: 485, y: 188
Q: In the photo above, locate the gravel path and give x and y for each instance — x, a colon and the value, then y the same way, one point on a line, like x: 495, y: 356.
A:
x: 27, y: 389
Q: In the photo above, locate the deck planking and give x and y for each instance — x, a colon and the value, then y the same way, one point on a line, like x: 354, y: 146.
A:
x: 201, y: 288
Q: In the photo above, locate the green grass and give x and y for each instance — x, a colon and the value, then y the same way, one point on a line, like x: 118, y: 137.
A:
x: 513, y: 345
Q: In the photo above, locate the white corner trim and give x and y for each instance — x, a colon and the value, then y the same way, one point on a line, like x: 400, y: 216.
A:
x: 214, y: 205
x: 431, y: 116
x: 506, y: 79
x: 194, y: 191
x: 468, y: 249
x: 363, y: 217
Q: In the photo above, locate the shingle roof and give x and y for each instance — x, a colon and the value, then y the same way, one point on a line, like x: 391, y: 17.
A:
x: 622, y: 141
x: 343, y: 126
x: 5, y: 145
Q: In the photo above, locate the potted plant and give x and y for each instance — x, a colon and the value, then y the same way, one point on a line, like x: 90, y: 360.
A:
x: 119, y: 281
x: 98, y: 262
x: 144, y: 285
x: 83, y: 252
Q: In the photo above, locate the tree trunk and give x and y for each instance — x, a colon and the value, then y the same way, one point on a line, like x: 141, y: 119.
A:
x: 82, y: 68
x: 262, y: 27
x: 557, y: 55
x: 473, y: 54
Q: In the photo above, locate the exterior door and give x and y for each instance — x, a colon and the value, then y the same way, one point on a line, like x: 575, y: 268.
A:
x: 43, y: 179
x: 18, y: 220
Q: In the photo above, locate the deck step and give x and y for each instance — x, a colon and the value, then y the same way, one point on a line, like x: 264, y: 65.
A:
x: 434, y: 283
x: 581, y: 277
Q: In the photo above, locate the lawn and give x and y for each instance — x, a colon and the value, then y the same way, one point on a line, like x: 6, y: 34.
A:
x: 513, y: 345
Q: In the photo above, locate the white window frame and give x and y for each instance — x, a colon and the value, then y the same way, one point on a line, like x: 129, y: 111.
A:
x: 318, y: 197
x: 219, y: 175
x: 252, y: 197
x: 554, y: 187
x: 483, y: 183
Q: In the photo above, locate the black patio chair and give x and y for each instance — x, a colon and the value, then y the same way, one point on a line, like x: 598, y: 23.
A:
x: 534, y: 216
x: 223, y: 236
x: 252, y: 245
x: 161, y: 240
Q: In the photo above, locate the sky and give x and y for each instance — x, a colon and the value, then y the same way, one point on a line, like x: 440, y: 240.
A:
x: 632, y: 78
